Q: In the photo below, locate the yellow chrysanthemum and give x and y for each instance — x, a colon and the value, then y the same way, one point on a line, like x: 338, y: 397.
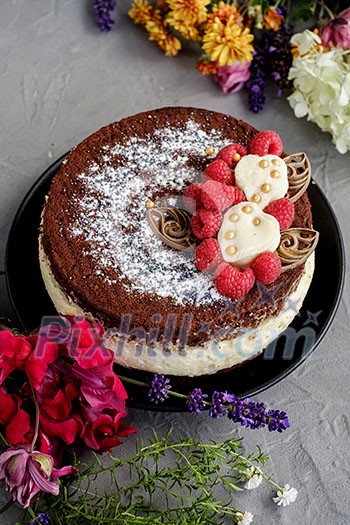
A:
x: 228, y: 42
x: 141, y: 12
x: 223, y: 12
x: 189, y: 12
x: 188, y: 31
x: 272, y: 20
x: 165, y: 40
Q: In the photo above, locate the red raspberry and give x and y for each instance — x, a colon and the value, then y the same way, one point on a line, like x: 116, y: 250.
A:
x: 192, y: 197
x: 266, y: 143
x: 283, y: 211
x: 233, y: 282
x: 217, y: 196
x: 220, y: 171
x: 206, y: 223
x: 227, y: 154
x: 266, y: 267
x: 208, y: 255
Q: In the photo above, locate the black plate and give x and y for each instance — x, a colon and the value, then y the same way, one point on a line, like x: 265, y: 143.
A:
x: 30, y: 302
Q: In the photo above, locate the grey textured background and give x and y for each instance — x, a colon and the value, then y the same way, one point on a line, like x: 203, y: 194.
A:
x: 60, y: 80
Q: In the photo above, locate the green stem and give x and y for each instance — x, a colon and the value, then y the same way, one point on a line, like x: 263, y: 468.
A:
x: 36, y: 429
x: 2, y: 438
x: 143, y: 383
x: 326, y: 8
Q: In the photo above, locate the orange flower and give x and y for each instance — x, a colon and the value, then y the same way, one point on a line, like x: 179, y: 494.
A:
x: 227, y: 42
x: 207, y: 68
x: 272, y: 20
x: 189, y: 12
x: 140, y: 12
x: 223, y: 12
x: 158, y: 33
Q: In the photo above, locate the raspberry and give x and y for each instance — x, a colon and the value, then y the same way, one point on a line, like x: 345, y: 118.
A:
x: 266, y: 267
x: 266, y: 143
x: 192, y: 197
x: 220, y: 171
x: 217, y: 196
x: 208, y: 255
x: 206, y: 223
x: 283, y: 211
x: 233, y: 282
x: 227, y: 153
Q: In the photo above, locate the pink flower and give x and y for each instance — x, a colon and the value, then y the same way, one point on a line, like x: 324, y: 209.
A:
x: 101, y: 431
x: 27, y: 474
x: 337, y: 30
x: 8, y: 406
x: 19, y: 431
x: 14, y: 351
x: 45, y: 352
x: 232, y: 78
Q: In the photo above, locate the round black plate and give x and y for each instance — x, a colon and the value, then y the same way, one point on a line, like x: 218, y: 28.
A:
x: 30, y: 302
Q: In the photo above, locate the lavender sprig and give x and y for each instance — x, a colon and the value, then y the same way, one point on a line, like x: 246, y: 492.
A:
x: 43, y: 519
x: 249, y: 414
x: 159, y: 390
x: 103, y: 10
x: 257, y: 81
x: 196, y: 400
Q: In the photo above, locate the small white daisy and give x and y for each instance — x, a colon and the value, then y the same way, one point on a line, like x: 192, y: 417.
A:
x: 253, y: 478
x: 286, y: 496
x: 244, y: 519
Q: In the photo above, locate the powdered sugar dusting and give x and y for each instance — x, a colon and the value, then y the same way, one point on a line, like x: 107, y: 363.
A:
x: 112, y: 214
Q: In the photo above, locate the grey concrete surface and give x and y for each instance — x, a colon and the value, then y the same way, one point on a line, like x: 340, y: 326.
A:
x: 60, y: 80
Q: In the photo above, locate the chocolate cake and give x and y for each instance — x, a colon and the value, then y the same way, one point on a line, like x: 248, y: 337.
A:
x: 100, y: 256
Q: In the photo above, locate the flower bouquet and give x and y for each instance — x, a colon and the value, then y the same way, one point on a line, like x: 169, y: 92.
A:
x: 244, y: 43
x: 59, y: 394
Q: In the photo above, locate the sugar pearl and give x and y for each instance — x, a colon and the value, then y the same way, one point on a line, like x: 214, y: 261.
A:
x: 256, y: 197
x: 264, y: 163
x: 233, y: 217
x: 231, y: 250
x: 275, y: 174
x: 266, y: 188
x: 229, y: 235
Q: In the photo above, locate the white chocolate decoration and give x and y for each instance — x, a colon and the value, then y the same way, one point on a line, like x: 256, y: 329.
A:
x: 263, y: 179
x: 247, y: 231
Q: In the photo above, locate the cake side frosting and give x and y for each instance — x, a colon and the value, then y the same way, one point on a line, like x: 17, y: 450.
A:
x: 208, y: 358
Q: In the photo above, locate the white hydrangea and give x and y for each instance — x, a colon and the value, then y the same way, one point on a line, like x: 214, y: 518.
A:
x: 321, y: 81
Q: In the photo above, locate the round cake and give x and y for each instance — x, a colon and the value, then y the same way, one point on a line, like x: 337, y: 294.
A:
x: 101, y: 257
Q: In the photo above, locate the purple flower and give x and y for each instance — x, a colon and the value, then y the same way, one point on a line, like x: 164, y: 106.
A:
x: 337, y: 30
x: 217, y: 405
x: 232, y: 78
x: 277, y: 420
x: 43, y: 519
x: 257, y: 81
x: 159, y: 388
x: 103, y: 10
x: 28, y: 473
x: 195, y: 400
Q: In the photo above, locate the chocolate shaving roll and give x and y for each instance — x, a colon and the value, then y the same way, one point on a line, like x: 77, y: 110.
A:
x: 296, y: 246
x: 172, y: 226
x: 299, y: 174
